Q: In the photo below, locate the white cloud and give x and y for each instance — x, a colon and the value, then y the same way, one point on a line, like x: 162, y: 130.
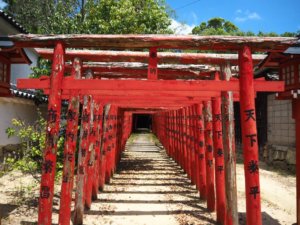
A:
x: 246, y: 15
x: 181, y: 28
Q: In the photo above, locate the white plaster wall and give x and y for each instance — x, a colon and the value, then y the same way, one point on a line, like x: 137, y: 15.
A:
x: 23, y: 70
x: 281, y: 125
x: 15, y: 108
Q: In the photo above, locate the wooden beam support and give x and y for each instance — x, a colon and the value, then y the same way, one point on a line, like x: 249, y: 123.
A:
x: 249, y: 137
x: 149, y: 85
x: 219, y: 160
x: 209, y: 149
x: 229, y: 153
x: 69, y: 151
x: 152, y: 66
x: 226, y: 43
x: 49, y: 154
x: 163, y: 57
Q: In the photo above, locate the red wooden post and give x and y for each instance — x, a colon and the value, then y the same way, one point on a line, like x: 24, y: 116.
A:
x: 108, y: 130
x: 296, y: 116
x: 98, y: 118
x: 210, y: 175
x: 102, y: 163
x: 229, y: 153
x: 219, y: 160
x: 90, y: 157
x: 201, y: 153
x: 188, y: 143
x: 184, y: 134
x: 152, y: 67
x: 113, y: 139
x: 195, y: 146
x: 53, y: 120
x: 69, y: 150
x: 82, y: 158
x: 177, y: 136
x: 180, y: 139
x: 192, y: 146
x: 249, y: 137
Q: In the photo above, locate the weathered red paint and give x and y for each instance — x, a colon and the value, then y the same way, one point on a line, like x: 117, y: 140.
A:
x: 201, y: 152
x: 152, y: 67
x: 150, y: 85
x: 163, y: 57
x: 249, y: 136
x: 219, y: 160
x: 111, y: 41
x: 49, y: 155
x: 210, y: 175
x: 69, y: 151
x: 229, y: 153
x: 90, y: 156
x: 80, y: 196
x: 98, y: 123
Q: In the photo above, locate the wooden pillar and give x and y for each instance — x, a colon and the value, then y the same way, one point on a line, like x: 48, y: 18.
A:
x: 69, y: 150
x: 184, y: 133
x: 90, y: 157
x: 192, y: 145
x: 98, y: 119
x: 109, y: 130
x: 210, y: 175
x: 181, y: 139
x: 229, y: 153
x: 102, y: 163
x: 188, y: 144
x: 195, y: 146
x: 201, y: 152
x: 152, y: 67
x: 82, y: 158
x: 249, y: 137
x: 296, y: 116
x: 219, y: 160
x: 53, y: 120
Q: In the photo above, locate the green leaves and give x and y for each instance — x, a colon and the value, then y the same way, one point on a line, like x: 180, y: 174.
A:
x: 92, y: 16
x: 220, y: 26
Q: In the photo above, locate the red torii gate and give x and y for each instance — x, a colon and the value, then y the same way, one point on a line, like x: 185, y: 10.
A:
x: 180, y: 130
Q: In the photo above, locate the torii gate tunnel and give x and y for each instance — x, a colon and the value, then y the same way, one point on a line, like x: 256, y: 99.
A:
x: 189, y: 95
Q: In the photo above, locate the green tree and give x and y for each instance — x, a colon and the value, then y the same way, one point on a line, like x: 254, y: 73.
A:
x: 216, y: 26
x: 220, y: 26
x: 92, y: 16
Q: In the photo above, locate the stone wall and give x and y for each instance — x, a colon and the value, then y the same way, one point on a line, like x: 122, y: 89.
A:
x: 280, y: 150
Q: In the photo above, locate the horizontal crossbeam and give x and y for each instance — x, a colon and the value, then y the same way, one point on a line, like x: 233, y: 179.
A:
x: 227, y: 43
x: 150, y: 85
x: 143, y: 57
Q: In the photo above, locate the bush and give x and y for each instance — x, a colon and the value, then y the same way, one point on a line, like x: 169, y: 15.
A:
x: 33, y: 139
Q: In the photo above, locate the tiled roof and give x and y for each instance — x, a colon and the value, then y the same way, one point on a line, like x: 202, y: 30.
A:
x: 28, y: 94
x: 13, y: 22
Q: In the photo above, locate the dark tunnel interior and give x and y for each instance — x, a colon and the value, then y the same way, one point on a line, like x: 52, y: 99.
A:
x: 142, y: 123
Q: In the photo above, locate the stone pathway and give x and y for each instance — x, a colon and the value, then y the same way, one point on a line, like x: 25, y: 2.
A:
x: 148, y: 188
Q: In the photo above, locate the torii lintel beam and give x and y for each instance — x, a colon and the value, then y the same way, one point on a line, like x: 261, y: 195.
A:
x: 226, y: 43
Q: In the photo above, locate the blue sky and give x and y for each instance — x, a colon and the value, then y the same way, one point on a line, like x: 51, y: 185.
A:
x: 249, y: 15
